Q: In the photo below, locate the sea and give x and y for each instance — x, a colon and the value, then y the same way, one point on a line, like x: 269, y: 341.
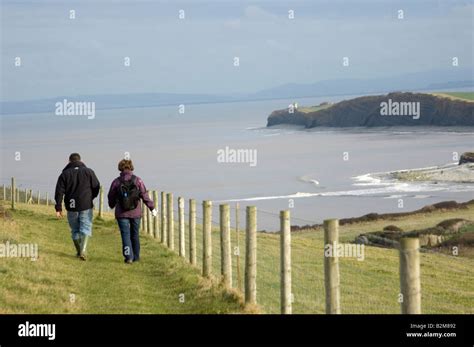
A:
x: 315, y: 173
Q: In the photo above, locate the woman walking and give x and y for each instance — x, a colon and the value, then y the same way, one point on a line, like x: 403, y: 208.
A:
x: 125, y: 194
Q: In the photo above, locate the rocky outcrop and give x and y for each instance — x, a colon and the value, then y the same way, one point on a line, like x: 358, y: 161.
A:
x: 453, y: 224
x: 392, y: 228
x: 467, y: 157
x: 393, y: 109
x: 370, y: 217
x: 429, y: 237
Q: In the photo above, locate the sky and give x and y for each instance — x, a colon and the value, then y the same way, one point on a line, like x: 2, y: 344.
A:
x: 86, y: 55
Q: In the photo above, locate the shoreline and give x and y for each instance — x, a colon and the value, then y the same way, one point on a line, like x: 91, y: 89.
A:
x: 450, y: 173
x: 443, y: 206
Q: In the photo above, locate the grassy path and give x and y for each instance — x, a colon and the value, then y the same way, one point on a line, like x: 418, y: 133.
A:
x: 106, y: 285
x: 60, y: 283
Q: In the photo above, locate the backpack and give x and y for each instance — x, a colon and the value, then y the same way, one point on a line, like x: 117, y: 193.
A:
x: 129, y: 194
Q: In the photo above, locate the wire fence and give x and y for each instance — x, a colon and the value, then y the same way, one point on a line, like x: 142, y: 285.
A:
x: 367, y: 282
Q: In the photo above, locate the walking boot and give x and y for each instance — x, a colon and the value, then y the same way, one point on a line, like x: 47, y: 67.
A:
x: 84, y: 239
x: 77, y: 244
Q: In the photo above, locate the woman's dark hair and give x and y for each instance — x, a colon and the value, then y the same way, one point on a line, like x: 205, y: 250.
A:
x: 125, y: 164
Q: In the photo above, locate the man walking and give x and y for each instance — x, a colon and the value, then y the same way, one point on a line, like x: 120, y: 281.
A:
x: 78, y: 185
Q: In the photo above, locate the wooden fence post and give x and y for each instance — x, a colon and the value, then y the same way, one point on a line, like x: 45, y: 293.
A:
x: 169, y: 197
x: 226, y: 258
x: 207, y: 238
x: 142, y: 224
x: 145, y: 215
x: 150, y: 217
x: 164, y: 219
x: 285, y: 259
x: 12, y: 193
x: 156, y: 220
x: 149, y: 221
x: 26, y: 196
x: 410, y: 286
x: 239, y: 276
x: 192, y: 232
x: 182, y: 244
x: 38, y: 197
x: 331, y: 266
x: 47, y: 198
x: 145, y: 222
x: 251, y: 256
x: 101, y: 202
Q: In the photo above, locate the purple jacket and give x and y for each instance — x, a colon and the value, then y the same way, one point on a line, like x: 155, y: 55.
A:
x: 113, y: 196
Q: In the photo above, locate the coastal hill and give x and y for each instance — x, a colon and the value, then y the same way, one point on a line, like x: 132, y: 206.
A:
x: 393, y: 109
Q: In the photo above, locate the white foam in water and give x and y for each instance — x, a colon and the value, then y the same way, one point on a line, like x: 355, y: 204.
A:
x: 370, y: 180
x: 394, y: 188
x: 386, y: 188
x: 308, y: 179
x: 376, y: 178
x: 396, y: 196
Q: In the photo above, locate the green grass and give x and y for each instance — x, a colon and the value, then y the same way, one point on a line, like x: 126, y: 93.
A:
x: 469, y: 96
x: 313, y: 108
x: 369, y: 286
x: 103, y: 284
x: 372, y: 285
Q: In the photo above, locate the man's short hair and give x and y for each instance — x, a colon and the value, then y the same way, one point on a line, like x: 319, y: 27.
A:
x: 74, y: 157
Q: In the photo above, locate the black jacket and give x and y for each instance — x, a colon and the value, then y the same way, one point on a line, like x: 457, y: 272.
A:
x: 78, y: 185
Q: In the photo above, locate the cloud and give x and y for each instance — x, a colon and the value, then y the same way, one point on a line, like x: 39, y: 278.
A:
x: 253, y: 12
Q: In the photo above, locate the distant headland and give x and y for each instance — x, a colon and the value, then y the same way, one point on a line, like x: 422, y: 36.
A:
x: 393, y: 109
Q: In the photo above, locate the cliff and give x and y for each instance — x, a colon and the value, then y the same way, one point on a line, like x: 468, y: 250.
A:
x: 393, y: 109
x: 467, y: 157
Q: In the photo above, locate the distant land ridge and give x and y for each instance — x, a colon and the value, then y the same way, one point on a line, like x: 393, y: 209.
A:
x: 368, y: 111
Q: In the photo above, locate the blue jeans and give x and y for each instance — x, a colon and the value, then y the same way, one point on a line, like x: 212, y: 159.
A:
x: 129, y: 228
x: 80, y: 222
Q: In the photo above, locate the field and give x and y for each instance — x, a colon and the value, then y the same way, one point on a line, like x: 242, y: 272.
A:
x: 468, y: 96
x: 314, y: 108
x: 105, y: 285
x: 371, y: 285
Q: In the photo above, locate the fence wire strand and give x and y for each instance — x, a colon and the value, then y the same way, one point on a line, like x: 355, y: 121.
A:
x: 368, y: 285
